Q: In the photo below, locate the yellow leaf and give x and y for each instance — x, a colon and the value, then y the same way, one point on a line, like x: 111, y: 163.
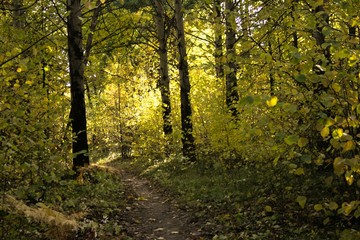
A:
x: 349, y: 145
x: 347, y: 208
x: 325, y: 132
x: 349, y: 177
x: 337, y: 133
x: 268, y: 208
x: 301, y: 200
x: 352, y: 60
x: 29, y: 82
x: 19, y: 70
x: 102, y: 1
x: 333, y: 206
x: 272, y: 102
x: 319, y: 161
x: 318, y: 207
x: 302, y: 142
x: 336, y: 87
x: 299, y: 171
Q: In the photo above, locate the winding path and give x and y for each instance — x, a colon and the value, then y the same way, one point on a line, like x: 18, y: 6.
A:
x: 150, y: 214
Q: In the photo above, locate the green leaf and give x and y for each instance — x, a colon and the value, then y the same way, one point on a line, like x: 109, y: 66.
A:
x: 301, y: 200
x: 333, y: 206
x: 291, y: 139
x: 291, y: 108
x: 300, y: 78
x: 248, y: 100
x: 339, y: 166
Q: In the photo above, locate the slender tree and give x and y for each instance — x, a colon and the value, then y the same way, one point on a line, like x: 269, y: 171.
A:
x: 76, y: 63
x: 232, y: 96
x: 188, y: 140
x: 218, y: 39
x: 164, y: 83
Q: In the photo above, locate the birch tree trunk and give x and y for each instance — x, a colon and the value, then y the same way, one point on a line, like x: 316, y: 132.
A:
x: 188, y: 140
x: 164, y: 82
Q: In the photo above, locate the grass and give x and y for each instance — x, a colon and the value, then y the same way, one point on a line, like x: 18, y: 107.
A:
x: 256, y: 201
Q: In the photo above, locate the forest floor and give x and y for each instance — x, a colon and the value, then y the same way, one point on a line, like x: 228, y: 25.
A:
x: 151, y: 213
x: 138, y: 200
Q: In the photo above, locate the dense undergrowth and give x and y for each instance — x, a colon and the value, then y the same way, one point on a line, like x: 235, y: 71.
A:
x: 257, y: 201
x: 84, y: 208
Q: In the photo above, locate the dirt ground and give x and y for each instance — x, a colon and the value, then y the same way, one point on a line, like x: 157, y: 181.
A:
x: 152, y: 214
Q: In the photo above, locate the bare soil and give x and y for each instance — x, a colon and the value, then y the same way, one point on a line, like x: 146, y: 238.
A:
x: 152, y: 214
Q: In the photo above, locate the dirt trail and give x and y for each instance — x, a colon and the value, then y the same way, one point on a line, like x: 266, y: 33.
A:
x: 150, y: 214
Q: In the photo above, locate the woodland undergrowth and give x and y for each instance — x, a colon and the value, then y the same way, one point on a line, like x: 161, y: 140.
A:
x: 87, y: 207
x: 256, y: 200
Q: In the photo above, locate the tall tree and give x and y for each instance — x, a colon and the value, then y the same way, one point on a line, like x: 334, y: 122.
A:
x: 218, y: 38
x: 188, y: 140
x: 164, y: 83
x: 232, y: 95
x: 76, y: 63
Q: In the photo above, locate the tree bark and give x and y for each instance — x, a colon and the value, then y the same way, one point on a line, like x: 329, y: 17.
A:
x: 89, y: 44
x: 218, y: 39
x: 164, y: 83
x: 232, y: 96
x: 188, y: 140
x: 321, y: 22
x: 76, y: 63
x: 19, y: 12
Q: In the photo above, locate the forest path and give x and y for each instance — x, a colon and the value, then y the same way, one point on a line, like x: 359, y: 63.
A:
x: 151, y: 214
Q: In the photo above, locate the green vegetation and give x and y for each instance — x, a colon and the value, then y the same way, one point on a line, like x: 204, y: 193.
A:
x: 247, y: 111
x: 255, y: 202
x: 66, y: 209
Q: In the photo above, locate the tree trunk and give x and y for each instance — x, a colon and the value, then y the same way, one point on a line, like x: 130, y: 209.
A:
x: 18, y: 14
x: 188, y: 140
x: 76, y: 63
x: 218, y: 32
x: 164, y: 83
x: 321, y: 22
x: 89, y: 43
x: 232, y: 96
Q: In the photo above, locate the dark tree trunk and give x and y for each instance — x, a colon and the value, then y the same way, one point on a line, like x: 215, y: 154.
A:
x: 164, y: 83
x: 271, y: 73
x: 218, y: 32
x: 321, y: 22
x: 232, y: 96
x: 76, y: 63
x: 188, y: 140
x: 18, y: 14
x: 295, y: 34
